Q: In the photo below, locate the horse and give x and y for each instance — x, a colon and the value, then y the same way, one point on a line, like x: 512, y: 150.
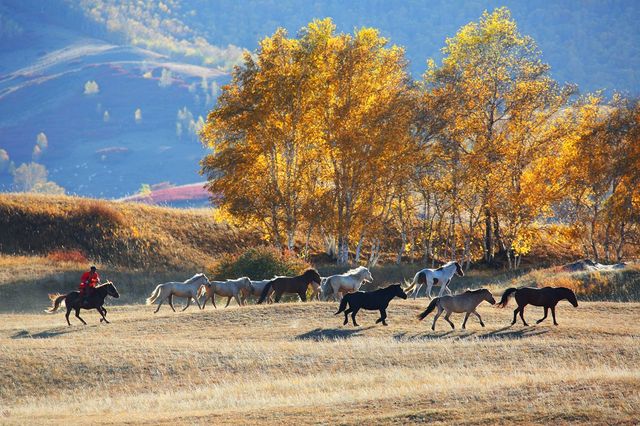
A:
x: 547, y: 297
x: 347, y: 282
x: 258, y: 286
x: 466, y: 302
x: 371, y: 300
x: 73, y: 300
x: 297, y: 284
x: 239, y: 289
x: 431, y: 277
x: 188, y: 289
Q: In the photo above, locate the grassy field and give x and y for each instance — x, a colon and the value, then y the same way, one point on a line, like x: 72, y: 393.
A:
x: 295, y: 363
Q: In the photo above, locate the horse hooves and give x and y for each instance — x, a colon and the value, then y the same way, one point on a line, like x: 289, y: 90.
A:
x: 385, y: 324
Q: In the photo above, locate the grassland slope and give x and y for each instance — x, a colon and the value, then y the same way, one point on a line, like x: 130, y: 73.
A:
x: 121, y: 234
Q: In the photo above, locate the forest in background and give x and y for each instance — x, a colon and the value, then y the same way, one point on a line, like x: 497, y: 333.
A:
x: 326, y: 135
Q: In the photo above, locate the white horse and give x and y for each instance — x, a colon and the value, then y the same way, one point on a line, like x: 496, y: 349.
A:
x: 240, y: 287
x: 188, y: 289
x: 347, y: 282
x: 258, y: 287
x: 431, y: 277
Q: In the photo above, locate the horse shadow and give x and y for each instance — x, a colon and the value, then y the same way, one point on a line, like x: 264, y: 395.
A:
x: 509, y: 333
x: 319, y: 334
x: 47, y: 334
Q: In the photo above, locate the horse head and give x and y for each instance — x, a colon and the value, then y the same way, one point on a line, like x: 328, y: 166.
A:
x: 367, y: 275
x: 486, y: 295
x: 398, y: 291
x: 313, y: 275
x: 570, y: 296
x: 111, y: 290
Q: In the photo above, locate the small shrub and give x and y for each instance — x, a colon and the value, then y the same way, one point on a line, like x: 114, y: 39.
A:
x: 259, y: 263
x: 73, y: 256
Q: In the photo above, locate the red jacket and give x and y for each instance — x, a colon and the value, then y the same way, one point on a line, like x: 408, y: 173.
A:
x: 91, y: 278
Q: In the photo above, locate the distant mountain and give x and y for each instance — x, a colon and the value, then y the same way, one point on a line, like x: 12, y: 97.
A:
x: 119, y: 88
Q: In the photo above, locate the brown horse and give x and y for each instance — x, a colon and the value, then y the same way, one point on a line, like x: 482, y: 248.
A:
x: 73, y: 301
x: 548, y: 297
x: 466, y: 302
x: 297, y: 285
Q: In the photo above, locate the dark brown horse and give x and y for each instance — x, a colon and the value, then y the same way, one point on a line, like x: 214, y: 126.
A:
x: 547, y: 297
x: 297, y: 285
x: 73, y: 300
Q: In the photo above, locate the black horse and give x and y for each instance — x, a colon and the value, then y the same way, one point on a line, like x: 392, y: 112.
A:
x: 73, y: 300
x: 297, y: 285
x: 376, y: 300
x: 548, y: 297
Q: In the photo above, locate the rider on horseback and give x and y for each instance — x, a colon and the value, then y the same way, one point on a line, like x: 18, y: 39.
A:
x: 88, y: 282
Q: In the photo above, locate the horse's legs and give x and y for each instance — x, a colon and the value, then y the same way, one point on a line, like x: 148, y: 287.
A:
x: 171, y: 302
x: 466, y: 317
x: 78, y: 316
x: 553, y: 314
x: 158, y: 308
x: 515, y: 314
x: 228, y: 301
x: 102, y: 313
x: 448, y: 320
x: 278, y: 296
x: 546, y: 310
x: 383, y: 316
x: 238, y: 301
x: 353, y: 316
x: 205, y: 301
x: 197, y: 301
x: 478, y: 315
x: 429, y: 287
x: 522, y: 316
x: 433, y: 326
x: 67, y: 314
x: 346, y: 316
x: 415, y: 290
x: 303, y: 296
x: 444, y: 287
x: 213, y: 300
x: 188, y: 303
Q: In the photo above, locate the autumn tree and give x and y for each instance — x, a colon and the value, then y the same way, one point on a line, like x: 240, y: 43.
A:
x: 500, y: 102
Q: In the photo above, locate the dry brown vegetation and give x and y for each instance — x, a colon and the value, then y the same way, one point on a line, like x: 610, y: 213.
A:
x: 295, y: 363
x: 125, y: 234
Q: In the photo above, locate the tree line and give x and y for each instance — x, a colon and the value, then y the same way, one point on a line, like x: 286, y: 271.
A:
x: 325, y: 135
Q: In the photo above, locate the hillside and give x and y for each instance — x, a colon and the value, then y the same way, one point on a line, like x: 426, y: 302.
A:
x: 296, y: 364
x: 129, y: 235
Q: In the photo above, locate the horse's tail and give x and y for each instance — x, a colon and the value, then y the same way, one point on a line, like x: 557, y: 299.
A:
x: 265, y: 292
x: 429, y: 309
x: 343, y: 303
x: 56, y: 300
x: 201, y: 290
x: 154, y: 296
x: 413, y: 284
x: 505, y: 296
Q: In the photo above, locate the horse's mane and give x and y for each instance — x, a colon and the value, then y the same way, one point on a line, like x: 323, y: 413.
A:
x: 193, y: 278
x: 104, y: 284
x: 354, y: 271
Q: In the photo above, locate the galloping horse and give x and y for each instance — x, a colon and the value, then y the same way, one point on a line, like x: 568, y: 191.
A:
x: 431, y: 277
x: 297, y: 285
x: 347, y: 282
x: 370, y: 300
x: 73, y: 300
x: 239, y: 289
x: 548, y: 297
x: 188, y: 289
x: 465, y: 302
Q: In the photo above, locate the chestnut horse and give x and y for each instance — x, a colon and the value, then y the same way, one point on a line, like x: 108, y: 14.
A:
x: 547, y: 297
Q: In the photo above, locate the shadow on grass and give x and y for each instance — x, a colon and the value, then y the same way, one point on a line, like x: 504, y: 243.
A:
x: 459, y: 334
x: 47, y: 334
x: 331, y: 333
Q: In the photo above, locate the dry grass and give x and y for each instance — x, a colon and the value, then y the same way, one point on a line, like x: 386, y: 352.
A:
x: 124, y: 234
x: 295, y: 363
